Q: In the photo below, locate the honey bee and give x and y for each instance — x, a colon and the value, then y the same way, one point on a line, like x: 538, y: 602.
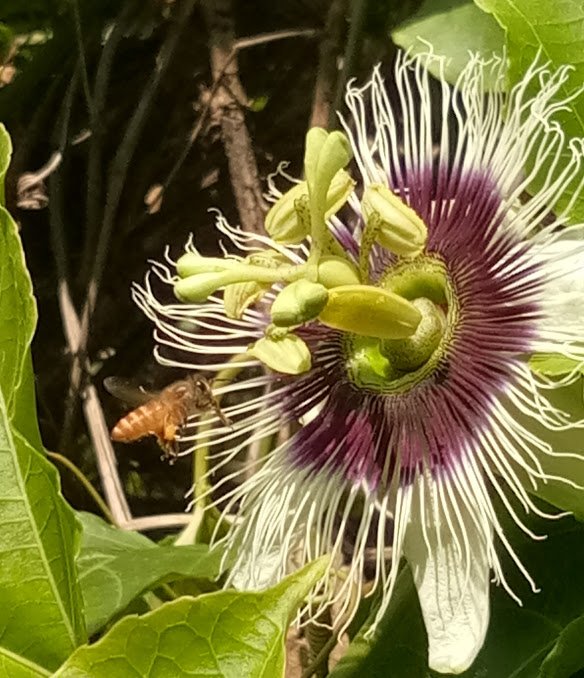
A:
x: 162, y: 414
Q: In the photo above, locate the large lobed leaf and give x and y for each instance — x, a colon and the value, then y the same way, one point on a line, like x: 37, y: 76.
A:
x: 116, y: 566
x: 17, y: 309
x: 228, y: 634
x: 40, y: 602
x: 555, y: 30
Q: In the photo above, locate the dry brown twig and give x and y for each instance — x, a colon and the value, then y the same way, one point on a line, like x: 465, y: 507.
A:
x: 238, y: 45
x: 228, y: 113
x: 329, y: 53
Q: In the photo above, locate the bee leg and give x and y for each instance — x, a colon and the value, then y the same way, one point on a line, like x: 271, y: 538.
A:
x: 165, y: 447
x: 170, y: 443
x: 219, y: 412
x: 170, y: 449
x: 162, y: 446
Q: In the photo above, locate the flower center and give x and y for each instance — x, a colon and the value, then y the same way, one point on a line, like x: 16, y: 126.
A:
x: 397, y: 365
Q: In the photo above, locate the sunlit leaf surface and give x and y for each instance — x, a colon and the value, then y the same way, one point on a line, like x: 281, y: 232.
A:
x: 228, y: 634
x: 115, y: 566
x: 555, y: 32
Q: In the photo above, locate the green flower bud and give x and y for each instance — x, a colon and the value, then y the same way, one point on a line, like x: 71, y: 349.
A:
x: 298, y: 302
x: 315, y: 140
x: 335, y: 154
x: 287, y: 353
x: 399, y: 228
x: 288, y: 220
x: 336, y: 271
x: 191, y: 264
x: 370, y: 312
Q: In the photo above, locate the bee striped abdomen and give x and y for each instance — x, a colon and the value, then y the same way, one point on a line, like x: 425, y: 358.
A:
x: 143, y: 421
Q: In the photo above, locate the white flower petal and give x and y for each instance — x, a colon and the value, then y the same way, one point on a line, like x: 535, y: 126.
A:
x: 565, y: 291
x: 453, y: 587
x: 257, y: 574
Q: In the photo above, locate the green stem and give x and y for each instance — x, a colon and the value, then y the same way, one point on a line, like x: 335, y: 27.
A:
x: 201, y: 466
x: 201, y: 484
x: 169, y: 592
x: 353, y: 44
x: 320, y: 657
x: 319, y: 234
x: 84, y: 480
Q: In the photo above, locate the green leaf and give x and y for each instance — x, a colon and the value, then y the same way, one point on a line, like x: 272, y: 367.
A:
x: 453, y: 28
x: 570, y: 400
x: 12, y: 666
x: 39, y: 594
x: 17, y: 310
x: 228, y: 634
x: 116, y: 566
x: 557, y: 29
x: 38, y: 587
x: 554, y: 364
x: 24, y: 416
x: 5, y: 153
x: 99, y: 537
x: 17, y: 319
x: 567, y: 655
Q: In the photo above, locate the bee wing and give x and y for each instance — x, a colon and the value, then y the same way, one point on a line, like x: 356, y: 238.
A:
x: 128, y: 391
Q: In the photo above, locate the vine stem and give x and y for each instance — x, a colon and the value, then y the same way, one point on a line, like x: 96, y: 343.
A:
x: 320, y: 657
x: 358, y: 8
x: 84, y: 480
x: 201, y: 484
x: 200, y: 481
